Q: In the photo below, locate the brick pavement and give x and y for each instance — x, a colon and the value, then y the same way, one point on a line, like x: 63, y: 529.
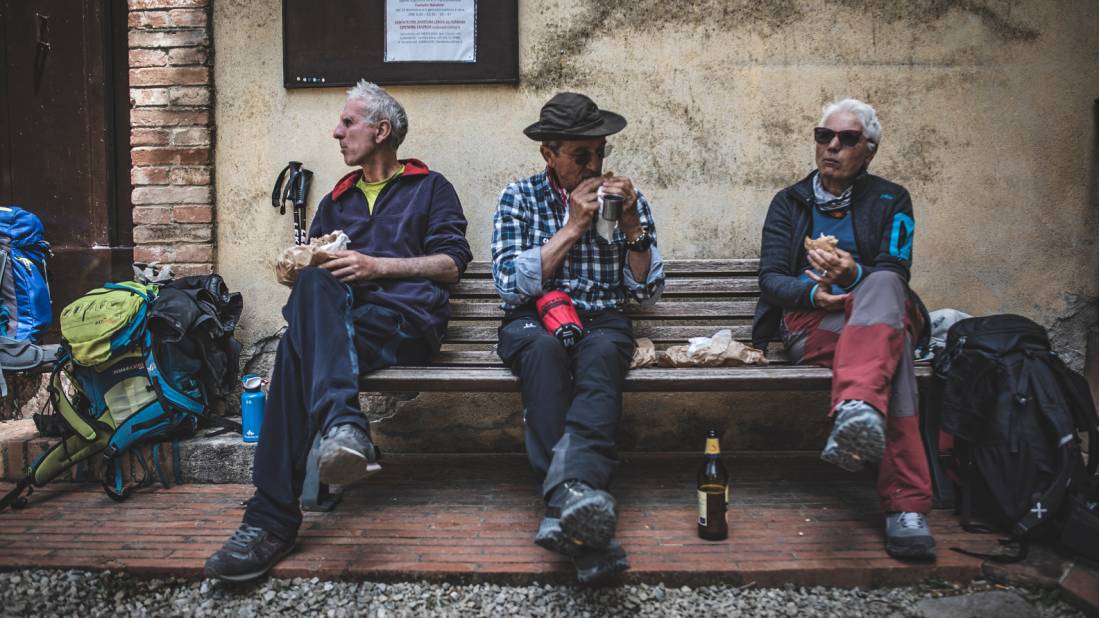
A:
x: 471, y: 518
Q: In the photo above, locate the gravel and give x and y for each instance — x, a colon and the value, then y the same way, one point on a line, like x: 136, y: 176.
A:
x: 84, y: 593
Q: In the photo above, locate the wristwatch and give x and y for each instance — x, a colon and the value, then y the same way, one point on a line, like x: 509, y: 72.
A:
x: 640, y: 244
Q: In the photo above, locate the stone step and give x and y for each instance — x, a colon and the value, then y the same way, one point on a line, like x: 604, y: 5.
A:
x: 651, y: 422
x: 218, y: 459
x: 493, y: 423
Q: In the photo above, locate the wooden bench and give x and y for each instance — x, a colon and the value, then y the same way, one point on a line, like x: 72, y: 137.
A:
x: 700, y: 297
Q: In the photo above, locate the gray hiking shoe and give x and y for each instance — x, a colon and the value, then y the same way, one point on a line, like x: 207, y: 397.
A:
x: 551, y: 537
x: 908, y: 536
x: 596, y: 567
x: 346, y: 455
x: 858, y: 437
x: 249, y: 554
x: 588, y: 515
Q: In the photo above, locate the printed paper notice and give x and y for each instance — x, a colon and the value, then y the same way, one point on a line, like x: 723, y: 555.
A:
x: 431, y: 30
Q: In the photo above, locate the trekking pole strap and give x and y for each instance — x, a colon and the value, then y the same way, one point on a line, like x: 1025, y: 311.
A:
x: 276, y: 192
x: 225, y: 424
x: 15, y: 498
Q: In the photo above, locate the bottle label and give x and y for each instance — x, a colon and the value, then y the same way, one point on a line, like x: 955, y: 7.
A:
x: 702, y: 508
x: 712, y: 447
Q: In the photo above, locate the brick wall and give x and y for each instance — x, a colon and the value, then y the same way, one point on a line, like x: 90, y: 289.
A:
x: 171, y: 136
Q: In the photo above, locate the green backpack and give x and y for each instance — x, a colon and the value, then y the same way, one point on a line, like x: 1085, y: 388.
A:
x: 128, y: 391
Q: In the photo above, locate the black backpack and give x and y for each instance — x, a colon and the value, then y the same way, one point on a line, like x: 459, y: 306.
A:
x: 1015, y: 410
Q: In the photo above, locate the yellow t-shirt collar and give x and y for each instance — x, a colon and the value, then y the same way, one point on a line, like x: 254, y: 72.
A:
x: 371, y: 190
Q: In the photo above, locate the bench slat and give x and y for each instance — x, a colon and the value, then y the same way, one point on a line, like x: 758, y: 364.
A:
x: 460, y: 333
x: 489, y: 358
x: 711, y: 379
x: 674, y: 286
x: 662, y: 310
x: 674, y: 267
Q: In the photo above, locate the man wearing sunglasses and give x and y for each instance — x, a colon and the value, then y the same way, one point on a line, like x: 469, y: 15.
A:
x: 852, y: 310
x: 545, y: 240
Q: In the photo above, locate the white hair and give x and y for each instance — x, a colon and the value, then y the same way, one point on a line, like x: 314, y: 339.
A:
x: 872, y: 129
x: 382, y: 106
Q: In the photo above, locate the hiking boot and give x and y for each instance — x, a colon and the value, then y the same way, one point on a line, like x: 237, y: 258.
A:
x: 858, y: 436
x: 551, y: 537
x: 596, y: 566
x: 247, y: 555
x: 908, y: 536
x: 588, y: 515
x: 346, y: 455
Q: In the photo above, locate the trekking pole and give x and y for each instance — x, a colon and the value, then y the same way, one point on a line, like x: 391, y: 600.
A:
x: 294, y: 191
x: 299, y: 188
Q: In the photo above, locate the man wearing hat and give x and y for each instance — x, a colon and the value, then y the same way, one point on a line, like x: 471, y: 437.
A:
x: 544, y: 240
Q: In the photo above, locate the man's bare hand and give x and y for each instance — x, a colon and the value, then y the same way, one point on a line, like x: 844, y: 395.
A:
x: 583, y: 205
x: 352, y: 266
x: 829, y: 302
x: 838, y: 268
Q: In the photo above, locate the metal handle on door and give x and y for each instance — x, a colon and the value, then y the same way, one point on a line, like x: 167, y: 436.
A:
x: 42, y: 47
x: 42, y: 23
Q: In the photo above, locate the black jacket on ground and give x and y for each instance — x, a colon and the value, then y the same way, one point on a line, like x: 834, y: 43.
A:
x: 882, y: 219
x: 192, y: 320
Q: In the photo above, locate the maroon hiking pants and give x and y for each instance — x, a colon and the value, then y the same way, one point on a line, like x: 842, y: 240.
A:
x: 869, y: 347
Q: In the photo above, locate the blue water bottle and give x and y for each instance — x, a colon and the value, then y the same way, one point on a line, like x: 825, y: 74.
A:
x: 252, y: 407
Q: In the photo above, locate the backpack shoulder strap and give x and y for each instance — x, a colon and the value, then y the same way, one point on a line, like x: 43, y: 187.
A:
x: 87, y: 428
x: 167, y: 392
x: 1051, y: 499
x: 1079, y: 397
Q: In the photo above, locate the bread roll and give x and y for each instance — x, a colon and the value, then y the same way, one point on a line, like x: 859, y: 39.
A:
x: 822, y: 242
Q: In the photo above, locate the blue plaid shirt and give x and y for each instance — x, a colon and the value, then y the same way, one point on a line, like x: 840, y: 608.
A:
x: 595, y: 273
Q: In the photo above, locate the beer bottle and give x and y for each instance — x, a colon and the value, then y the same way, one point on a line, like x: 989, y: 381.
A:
x: 713, y: 492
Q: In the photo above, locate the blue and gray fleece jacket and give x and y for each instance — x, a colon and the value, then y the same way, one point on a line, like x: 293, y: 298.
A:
x: 882, y: 221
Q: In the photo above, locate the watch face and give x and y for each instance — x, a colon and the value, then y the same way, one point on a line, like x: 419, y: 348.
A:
x: 641, y: 243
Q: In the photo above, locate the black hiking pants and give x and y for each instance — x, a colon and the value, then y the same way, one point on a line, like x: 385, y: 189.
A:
x: 330, y: 339
x: 572, y: 398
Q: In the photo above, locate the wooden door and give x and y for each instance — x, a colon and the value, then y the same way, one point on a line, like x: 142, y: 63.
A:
x: 64, y: 134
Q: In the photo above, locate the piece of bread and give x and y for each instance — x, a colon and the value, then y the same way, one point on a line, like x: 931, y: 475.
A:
x: 822, y: 242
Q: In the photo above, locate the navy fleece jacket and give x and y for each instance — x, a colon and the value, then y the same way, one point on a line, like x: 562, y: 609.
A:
x: 417, y: 214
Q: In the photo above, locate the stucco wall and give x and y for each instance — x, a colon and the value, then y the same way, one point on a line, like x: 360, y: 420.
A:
x: 987, y: 110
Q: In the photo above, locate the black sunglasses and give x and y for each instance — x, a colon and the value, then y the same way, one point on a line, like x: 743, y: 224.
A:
x: 847, y: 138
x: 584, y: 157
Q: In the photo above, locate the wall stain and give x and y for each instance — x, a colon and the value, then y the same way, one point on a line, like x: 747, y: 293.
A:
x: 614, y: 17
x: 928, y: 11
x: 1069, y: 332
x: 918, y: 155
x: 669, y: 162
x: 557, y: 50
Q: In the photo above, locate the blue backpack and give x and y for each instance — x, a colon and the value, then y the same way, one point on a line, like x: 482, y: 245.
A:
x: 25, y: 309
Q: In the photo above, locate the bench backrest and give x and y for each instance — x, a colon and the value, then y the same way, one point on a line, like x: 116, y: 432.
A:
x: 700, y: 297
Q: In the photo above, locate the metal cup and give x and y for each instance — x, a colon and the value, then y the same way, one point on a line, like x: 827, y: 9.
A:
x: 612, y: 207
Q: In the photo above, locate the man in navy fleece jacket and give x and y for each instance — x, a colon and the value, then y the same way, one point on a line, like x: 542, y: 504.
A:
x: 382, y: 302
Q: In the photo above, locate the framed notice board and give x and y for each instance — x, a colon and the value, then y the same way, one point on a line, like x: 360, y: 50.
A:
x: 337, y: 42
